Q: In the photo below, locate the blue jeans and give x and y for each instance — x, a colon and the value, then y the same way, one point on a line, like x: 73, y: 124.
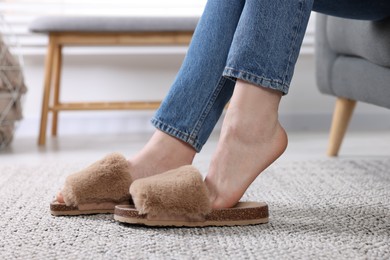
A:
x: 257, y: 41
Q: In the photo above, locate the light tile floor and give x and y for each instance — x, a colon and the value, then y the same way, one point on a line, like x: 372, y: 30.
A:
x: 82, y: 148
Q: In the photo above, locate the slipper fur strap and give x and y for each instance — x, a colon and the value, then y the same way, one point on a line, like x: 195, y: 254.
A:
x: 178, y: 194
x: 106, y: 180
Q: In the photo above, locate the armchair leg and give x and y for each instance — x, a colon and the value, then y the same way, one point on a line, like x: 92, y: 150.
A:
x: 341, y: 117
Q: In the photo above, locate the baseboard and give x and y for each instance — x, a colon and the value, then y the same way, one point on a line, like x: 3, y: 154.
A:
x: 139, y: 122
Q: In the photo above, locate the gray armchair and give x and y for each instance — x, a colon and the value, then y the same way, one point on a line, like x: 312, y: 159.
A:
x: 352, y: 64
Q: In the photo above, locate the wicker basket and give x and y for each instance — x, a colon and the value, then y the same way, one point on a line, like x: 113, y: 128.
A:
x: 12, y: 88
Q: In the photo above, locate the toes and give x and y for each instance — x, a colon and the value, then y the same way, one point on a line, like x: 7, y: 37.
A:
x: 60, y: 198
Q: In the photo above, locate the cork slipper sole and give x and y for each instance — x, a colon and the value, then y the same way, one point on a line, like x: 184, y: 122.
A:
x: 61, y: 209
x: 244, y: 213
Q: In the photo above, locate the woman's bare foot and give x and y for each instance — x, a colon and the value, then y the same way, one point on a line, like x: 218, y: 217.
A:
x: 251, y: 139
x: 162, y: 153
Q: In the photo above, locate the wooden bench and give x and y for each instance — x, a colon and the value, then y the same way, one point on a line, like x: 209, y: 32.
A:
x: 100, y: 31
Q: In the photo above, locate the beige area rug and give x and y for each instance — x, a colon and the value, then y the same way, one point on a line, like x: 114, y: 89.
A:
x: 331, y: 209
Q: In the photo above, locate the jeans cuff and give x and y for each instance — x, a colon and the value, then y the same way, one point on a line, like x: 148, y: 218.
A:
x: 256, y: 80
x: 172, y: 131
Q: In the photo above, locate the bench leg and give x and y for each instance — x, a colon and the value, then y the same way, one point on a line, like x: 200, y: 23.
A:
x: 46, y: 91
x: 341, y: 117
x: 57, y: 68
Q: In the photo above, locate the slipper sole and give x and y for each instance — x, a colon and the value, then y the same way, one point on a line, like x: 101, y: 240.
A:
x: 61, y: 209
x: 244, y: 213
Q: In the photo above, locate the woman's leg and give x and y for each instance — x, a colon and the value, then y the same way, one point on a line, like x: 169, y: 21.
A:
x: 251, y: 140
x: 199, y: 93
x: 262, y: 57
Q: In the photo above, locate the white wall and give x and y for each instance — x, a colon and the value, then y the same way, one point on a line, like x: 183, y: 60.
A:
x: 141, y: 76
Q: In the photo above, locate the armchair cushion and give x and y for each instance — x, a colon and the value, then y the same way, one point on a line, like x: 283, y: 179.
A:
x: 353, y: 59
x: 369, y: 40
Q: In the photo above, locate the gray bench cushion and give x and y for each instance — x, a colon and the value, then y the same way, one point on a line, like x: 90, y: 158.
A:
x: 112, y: 24
x: 370, y: 40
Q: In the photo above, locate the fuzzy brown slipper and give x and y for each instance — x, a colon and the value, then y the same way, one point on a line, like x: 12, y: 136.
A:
x: 180, y: 198
x: 96, y: 189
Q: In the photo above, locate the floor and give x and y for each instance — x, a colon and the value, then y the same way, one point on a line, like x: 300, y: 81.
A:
x: 319, y: 210
x: 82, y: 148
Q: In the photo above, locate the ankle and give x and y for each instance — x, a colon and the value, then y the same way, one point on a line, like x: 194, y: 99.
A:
x: 161, y: 153
x: 247, y: 130
x: 166, y: 147
x: 253, y: 112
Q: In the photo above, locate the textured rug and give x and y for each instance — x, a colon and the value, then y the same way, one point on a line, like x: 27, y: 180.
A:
x: 337, y: 209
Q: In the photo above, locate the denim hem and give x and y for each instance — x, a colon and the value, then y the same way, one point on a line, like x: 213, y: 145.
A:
x: 172, y: 131
x: 257, y: 80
